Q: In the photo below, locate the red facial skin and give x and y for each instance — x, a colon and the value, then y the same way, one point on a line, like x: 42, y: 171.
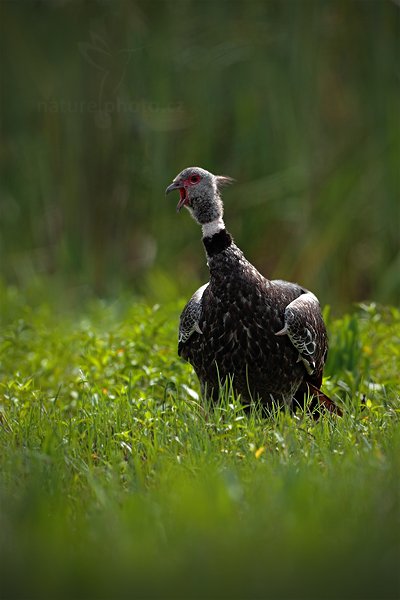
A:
x: 189, y: 182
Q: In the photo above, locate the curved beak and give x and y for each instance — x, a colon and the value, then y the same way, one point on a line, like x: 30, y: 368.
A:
x: 177, y: 185
x: 174, y: 186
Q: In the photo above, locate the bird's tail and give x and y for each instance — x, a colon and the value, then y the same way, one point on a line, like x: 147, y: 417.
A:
x: 319, y: 401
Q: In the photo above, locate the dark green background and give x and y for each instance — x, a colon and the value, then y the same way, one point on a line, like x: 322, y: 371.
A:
x: 103, y: 103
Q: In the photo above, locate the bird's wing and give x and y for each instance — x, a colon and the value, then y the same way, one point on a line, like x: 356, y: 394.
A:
x: 304, y: 326
x: 191, y: 315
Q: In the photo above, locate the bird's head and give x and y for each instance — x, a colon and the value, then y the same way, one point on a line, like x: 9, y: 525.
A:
x: 199, y: 193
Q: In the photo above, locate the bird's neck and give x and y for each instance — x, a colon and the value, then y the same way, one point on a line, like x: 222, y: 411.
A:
x: 216, y: 239
x: 209, y: 229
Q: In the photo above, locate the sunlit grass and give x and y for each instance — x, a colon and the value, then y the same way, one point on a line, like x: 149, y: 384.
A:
x: 117, y: 481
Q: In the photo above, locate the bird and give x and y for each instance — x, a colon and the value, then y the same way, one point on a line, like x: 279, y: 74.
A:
x: 266, y: 337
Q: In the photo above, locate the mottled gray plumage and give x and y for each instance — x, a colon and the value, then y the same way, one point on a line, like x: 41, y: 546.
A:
x: 267, y: 336
x: 303, y: 333
x: 190, y: 317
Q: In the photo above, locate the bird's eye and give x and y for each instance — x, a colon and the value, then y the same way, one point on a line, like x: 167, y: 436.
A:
x: 194, y: 178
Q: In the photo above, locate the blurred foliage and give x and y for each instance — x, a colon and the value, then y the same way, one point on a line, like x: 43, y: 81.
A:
x: 103, y: 103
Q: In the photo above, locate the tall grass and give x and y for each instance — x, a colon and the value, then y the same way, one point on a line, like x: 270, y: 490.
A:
x: 103, y: 103
x: 116, y: 480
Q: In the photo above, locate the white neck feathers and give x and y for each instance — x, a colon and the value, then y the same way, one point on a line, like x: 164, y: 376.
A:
x: 209, y: 229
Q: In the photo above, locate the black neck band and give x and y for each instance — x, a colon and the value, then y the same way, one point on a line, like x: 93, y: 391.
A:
x: 217, y: 243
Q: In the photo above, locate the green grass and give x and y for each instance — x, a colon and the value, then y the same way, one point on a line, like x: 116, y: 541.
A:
x: 115, y: 481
